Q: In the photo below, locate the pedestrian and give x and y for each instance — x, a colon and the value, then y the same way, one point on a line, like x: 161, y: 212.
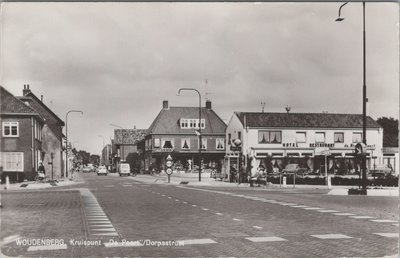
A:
x: 41, y: 171
x: 242, y: 173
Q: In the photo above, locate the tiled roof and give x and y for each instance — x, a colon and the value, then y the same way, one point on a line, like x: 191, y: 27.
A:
x: 9, y: 104
x: 305, y: 120
x: 168, y: 121
x: 129, y: 136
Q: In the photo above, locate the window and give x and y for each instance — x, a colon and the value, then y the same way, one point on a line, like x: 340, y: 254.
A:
x: 192, y: 123
x: 338, y: 137
x: 204, y: 143
x: 357, y: 137
x: 184, y: 123
x: 229, y: 138
x: 10, y: 129
x: 319, y: 137
x: 220, y: 144
x: 269, y: 137
x: 300, y: 136
x: 240, y: 135
x: 156, y: 143
x: 167, y: 143
x: 12, y: 161
x: 185, y: 144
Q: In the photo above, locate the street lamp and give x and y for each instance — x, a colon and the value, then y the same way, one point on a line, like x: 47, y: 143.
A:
x: 102, y: 156
x: 199, y: 132
x: 364, y: 101
x: 66, y: 138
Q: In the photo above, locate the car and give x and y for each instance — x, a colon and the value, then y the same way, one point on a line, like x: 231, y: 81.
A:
x: 86, y: 170
x: 124, y: 169
x: 102, y: 170
x: 380, y: 170
x: 294, y: 169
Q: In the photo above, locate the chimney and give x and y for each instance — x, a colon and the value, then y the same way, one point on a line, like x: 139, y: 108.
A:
x: 26, y: 90
x: 208, y: 104
x: 165, y: 104
x: 41, y: 98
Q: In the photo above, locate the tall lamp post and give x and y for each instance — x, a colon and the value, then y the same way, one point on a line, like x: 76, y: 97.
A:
x: 66, y: 138
x: 102, y: 156
x: 364, y: 101
x: 200, y: 143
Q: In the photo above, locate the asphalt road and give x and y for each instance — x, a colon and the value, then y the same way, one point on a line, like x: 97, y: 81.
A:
x: 126, y: 217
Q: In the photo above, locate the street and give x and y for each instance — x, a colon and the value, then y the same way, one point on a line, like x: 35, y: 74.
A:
x: 133, y: 217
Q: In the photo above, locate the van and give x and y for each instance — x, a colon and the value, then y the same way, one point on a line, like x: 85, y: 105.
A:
x: 124, y: 169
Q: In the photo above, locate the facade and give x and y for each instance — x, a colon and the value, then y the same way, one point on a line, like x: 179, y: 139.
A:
x: 52, y: 136
x: 126, y: 146
x: 106, y: 156
x: 175, y: 132
x: 277, y: 139
x: 20, y: 138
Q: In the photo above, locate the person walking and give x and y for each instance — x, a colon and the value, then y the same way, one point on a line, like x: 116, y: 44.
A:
x: 41, y: 172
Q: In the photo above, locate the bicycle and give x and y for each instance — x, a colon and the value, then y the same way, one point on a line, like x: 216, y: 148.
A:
x: 40, y: 178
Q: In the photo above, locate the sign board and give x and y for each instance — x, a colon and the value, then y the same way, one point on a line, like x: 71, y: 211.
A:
x: 168, y: 171
x: 359, y: 148
x: 234, y: 148
x: 322, y: 151
x: 168, y: 163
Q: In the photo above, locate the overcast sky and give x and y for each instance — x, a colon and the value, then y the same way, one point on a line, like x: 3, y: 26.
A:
x: 117, y: 62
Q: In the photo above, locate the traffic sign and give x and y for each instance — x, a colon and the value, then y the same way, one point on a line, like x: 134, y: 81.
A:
x: 359, y: 148
x: 168, y: 163
x: 169, y: 171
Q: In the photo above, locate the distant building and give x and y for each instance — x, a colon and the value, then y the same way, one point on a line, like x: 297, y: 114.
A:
x: 126, y: 146
x: 276, y: 139
x: 20, y: 138
x: 52, y: 140
x: 175, y: 132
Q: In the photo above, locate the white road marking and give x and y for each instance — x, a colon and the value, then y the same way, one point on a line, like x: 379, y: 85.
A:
x: 343, y: 214
x: 103, y: 229
x: 312, y: 208
x: 236, y: 219
x: 204, y: 209
x: 300, y: 206
x: 106, y: 234
x: 47, y: 247
x: 9, y: 239
x: 331, y: 236
x: 101, y: 225
x: 218, y: 213
x: 176, y: 200
x: 384, y: 220
x: 327, y: 211
x: 169, y: 197
x: 100, y: 222
x: 163, y: 195
x: 194, y: 205
x: 185, y: 202
x: 257, y: 227
x: 288, y: 204
x: 387, y: 234
x: 106, y: 219
x: 198, y: 241
x: 362, y: 217
x: 265, y: 239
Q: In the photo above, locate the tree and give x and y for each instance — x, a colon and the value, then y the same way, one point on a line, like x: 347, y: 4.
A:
x: 390, y: 131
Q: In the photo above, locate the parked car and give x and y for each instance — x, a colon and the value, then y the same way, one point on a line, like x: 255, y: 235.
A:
x: 86, y: 170
x: 124, y: 169
x: 380, y: 171
x: 102, y: 170
x: 294, y: 169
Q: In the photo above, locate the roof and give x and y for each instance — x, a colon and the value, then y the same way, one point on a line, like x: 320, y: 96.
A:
x: 129, y: 136
x: 9, y: 104
x: 168, y: 121
x: 305, y: 120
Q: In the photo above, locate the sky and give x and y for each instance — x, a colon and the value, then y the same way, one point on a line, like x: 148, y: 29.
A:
x: 117, y: 62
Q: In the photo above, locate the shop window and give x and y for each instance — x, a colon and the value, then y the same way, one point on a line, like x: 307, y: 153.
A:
x: 185, y: 144
x: 338, y: 137
x: 167, y: 143
x: 320, y: 137
x: 269, y: 137
x: 220, y: 144
x: 357, y: 137
x: 203, y: 143
x: 300, y: 136
x: 10, y: 129
x: 12, y: 161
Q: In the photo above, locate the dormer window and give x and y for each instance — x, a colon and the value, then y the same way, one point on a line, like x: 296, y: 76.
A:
x: 186, y: 123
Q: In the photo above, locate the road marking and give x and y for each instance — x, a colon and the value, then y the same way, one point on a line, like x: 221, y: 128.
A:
x: 169, y: 197
x: 331, y: 236
x: 236, y: 219
x: 312, y: 208
x: 229, y: 234
x: 47, y: 247
x: 176, y: 200
x: 198, y: 241
x: 288, y: 204
x: 387, y: 234
x: 265, y: 239
x: 97, y: 216
x: 397, y: 224
x: 362, y: 217
x: 101, y: 225
x: 343, y: 214
x: 100, y: 222
x: 383, y: 220
x: 218, y: 213
x: 257, y: 227
x: 106, y: 234
x: 163, y: 195
x: 108, y: 186
x: 300, y: 206
x: 327, y: 211
x: 103, y: 229
x: 204, y: 209
x: 185, y: 202
x: 126, y: 185
x: 9, y: 239
x: 194, y: 205
x: 104, y: 219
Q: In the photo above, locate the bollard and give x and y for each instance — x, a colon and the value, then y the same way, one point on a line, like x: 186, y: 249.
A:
x: 329, y: 182
x: 7, y: 183
x: 284, y: 182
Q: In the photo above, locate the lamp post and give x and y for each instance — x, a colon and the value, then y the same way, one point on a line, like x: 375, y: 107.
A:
x: 66, y: 138
x: 102, y: 156
x: 199, y: 133
x: 364, y: 101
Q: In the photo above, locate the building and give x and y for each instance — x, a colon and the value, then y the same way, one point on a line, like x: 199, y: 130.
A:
x: 106, y: 156
x: 52, y: 136
x: 126, y: 146
x: 175, y: 132
x: 20, y: 138
x: 276, y: 139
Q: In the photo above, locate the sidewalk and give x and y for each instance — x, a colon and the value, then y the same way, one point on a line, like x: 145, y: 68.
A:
x: 31, y: 185
x: 193, y: 180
